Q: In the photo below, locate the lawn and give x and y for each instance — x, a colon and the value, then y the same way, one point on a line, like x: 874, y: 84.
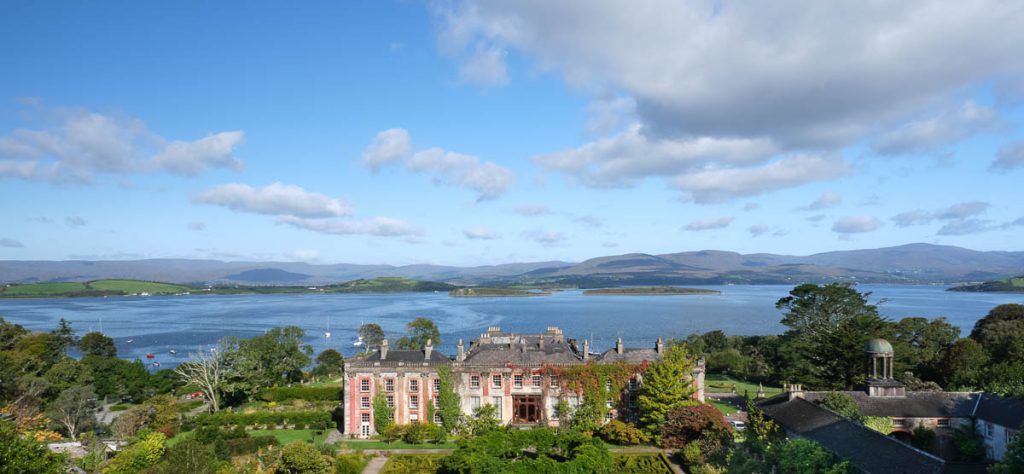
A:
x: 723, y: 407
x: 287, y: 436
x: 718, y: 383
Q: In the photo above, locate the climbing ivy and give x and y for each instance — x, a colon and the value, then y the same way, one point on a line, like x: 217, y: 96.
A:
x: 448, y: 401
x: 595, y: 384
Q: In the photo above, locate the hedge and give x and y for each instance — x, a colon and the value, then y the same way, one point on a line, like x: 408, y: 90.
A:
x: 313, y: 394
x: 297, y: 419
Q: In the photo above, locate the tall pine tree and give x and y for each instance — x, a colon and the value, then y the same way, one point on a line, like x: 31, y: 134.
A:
x: 666, y: 386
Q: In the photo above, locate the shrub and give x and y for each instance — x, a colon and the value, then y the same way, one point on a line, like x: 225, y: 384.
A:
x: 925, y: 439
x: 299, y: 457
x: 311, y: 394
x: 350, y: 463
x: 688, y: 423
x: 620, y: 433
x: 416, y: 433
x: 300, y: 419
x: 968, y: 444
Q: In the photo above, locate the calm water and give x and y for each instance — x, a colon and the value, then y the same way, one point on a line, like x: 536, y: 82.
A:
x: 188, y: 323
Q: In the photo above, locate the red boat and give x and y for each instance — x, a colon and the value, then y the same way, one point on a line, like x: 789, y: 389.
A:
x: 150, y: 355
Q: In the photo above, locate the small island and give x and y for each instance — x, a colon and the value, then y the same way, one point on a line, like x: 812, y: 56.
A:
x: 99, y: 288
x: 493, y: 292
x: 1009, y: 285
x: 651, y: 290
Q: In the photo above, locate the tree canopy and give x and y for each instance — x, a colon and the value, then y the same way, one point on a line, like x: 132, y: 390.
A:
x: 420, y: 331
x: 372, y: 335
x: 666, y: 386
x: 274, y: 358
x: 97, y: 344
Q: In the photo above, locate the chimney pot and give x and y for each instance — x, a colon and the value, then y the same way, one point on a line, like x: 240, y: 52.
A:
x: 384, y: 349
x: 427, y: 349
x: 618, y: 345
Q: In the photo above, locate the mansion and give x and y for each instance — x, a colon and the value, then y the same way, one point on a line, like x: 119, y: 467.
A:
x: 516, y: 373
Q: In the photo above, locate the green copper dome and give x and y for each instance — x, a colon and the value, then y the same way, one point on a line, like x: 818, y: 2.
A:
x: 878, y: 346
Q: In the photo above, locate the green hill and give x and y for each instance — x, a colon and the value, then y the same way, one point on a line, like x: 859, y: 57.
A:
x: 388, y: 285
x: 1009, y: 285
x: 90, y: 288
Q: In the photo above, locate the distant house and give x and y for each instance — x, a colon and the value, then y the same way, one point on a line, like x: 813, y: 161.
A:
x: 512, y: 372
x: 799, y: 412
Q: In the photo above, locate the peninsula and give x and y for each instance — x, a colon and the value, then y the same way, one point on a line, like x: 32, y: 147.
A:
x: 651, y: 290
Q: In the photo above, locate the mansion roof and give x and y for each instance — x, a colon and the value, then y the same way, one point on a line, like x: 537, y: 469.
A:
x: 866, y: 449
x: 1008, y: 412
x: 913, y: 405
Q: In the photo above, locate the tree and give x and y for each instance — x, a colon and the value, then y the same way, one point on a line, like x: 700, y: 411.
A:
x: 372, y: 334
x: 728, y: 361
x: 204, y: 371
x: 715, y: 341
x: 143, y: 454
x: 828, y: 326
x: 20, y: 455
x: 448, y: 401
x: 666, y: 386
x: 919, y: 344
x: 688, y: 423
x: 960, y: 363
x: 74, y: 410
x: 97, y: 344
x: 843, y: 405
x: 383, y: 415
x: 329, y: 363
x: 485, y: 419
x: 190, y: 456
x: 68, y: 373
x: 999, y: 332
x: 61, y: 339
x: 529, y: 451
x: 803, y: 456
x: 420, y: 331
x: 762, y: 433
x: 274, y: 358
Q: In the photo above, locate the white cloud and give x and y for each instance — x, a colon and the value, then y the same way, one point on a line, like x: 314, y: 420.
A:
x: 78, y: 144
x: 966, y: 227
x: 375, y: 226
x: 532, y: 210
x: 486, y: 178
x: 388, y: 146
x: 10, y: 243
x: 750, y: 206
x: 821, y: 74
x: 197, y: 226
x: 606, y: 114
x: 955, y: 212
x: 485, y: 66
x: 1010, y: 156
x: 723, y: 184
x: 274, y: 199
x: 193, y: 158
x: 623, y: 159
x: 929, y: 134
x: 709, y: 224
x: 74, y: 221
x: 856, y: 224
x: 758, y: 230
x: 547, y: 239
x: 479, y: 233
x: 589, y: 221
x: 826, y: 200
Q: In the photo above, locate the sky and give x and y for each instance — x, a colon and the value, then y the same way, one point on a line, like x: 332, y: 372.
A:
x: 485, y: 132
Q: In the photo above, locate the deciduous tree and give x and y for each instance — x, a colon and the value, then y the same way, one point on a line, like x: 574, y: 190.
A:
x: 204, y: 371
x: 420, y: 331
x: 74, y: 410
x: 372, y: 335
x: 97, y: 344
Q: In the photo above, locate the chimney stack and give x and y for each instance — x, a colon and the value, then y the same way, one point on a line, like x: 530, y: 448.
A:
x: 618, y: 345
x: 659, y: 347
x: 586, y: 350
x: 796, y: 391
x: 760, y: 391
x: 427, y: 349
x: 384, y: 349
x: 540, y: 343
x: 462, y: 352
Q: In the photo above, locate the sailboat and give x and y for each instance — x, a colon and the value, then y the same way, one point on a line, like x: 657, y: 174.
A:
x: 359, y: 339
x: 327, y: 333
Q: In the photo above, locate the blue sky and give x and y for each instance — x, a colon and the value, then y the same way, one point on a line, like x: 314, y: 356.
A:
x: 480, y: 132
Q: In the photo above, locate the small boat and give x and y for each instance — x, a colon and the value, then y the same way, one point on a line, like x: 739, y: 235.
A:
x: 173, y: 352
x: 327, y: 334
x: 130, y: 341
x: 156, y: 364
x: 358, y: 342
x: 149, y: 355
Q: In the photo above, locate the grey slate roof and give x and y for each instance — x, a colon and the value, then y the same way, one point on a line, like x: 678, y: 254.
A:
x: 913, y: 405
x: 523, y: 350
x: 1008, y: 412
x: 868, y: 450
x: 632, y: 356
x: 406, y: 356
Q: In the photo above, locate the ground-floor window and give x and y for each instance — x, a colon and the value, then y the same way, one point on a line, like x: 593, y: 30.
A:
x: 474, y: 403
x: 496, y: 401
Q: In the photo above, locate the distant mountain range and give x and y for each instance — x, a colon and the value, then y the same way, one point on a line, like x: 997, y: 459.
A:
x: 913, y: 263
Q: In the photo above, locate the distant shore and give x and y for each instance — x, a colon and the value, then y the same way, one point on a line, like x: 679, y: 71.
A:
x: 494, y: 292
x: 651, y: 290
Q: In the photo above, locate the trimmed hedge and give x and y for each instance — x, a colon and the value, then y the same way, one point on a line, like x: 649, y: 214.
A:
x: 297, y: 419
x: 313, y: 394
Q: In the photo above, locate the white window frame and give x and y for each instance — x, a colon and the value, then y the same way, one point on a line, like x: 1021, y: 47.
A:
x: 517, y: 380
x: 437, y: 385
x: 497, y: 402
x: 414, y: 386
x: 364, y: 403
x: 496, y: 381
x: 389, y: 385
x: 474, y: 382
x: 536, y: 380
x: 390, y: 400
x: 414, y: 402
x: 364, y: 385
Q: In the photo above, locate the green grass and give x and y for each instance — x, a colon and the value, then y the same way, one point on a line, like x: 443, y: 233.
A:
x: 723, y: 407
x: 182, y: 436
x: 485, y: 292
x: 137, y: 286
x: 287, y: 436
x: 718, y: 383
